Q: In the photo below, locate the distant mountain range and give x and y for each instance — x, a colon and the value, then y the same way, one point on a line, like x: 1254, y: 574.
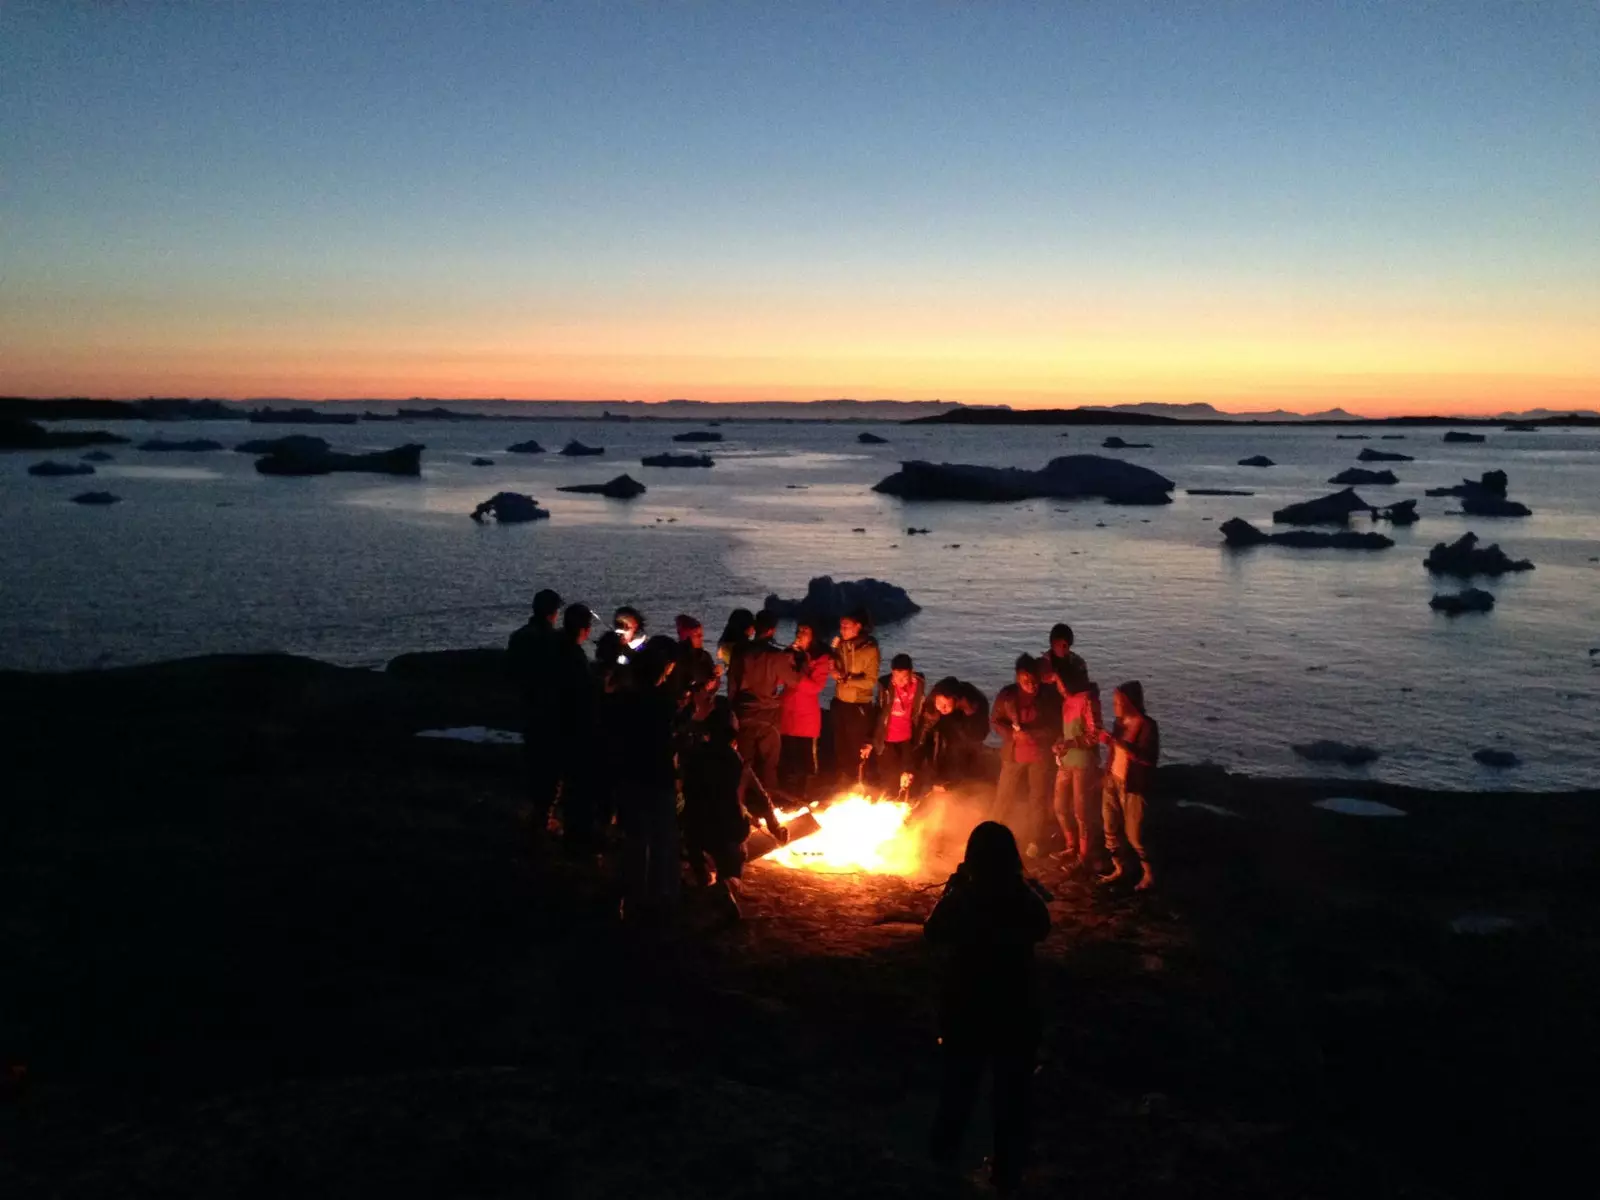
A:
x: 941, y: 412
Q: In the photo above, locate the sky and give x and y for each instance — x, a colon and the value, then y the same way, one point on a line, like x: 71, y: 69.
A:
x: 1391, y: 206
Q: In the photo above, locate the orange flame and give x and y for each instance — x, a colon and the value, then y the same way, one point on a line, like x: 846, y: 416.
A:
x: 858, y: 833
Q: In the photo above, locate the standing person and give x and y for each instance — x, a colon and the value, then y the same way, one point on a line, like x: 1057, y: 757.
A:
x: 987, y: 924
x: 1077, y: 790
x: 1135, y: 742
x: 639, y: 752
x: 714, y: 822
x: 855, y: 674
x: 950, y: 738
x: 763, y: 670
x: 1022, y: 719
x: 736, y: 635
x: 577, y: 732
x: 901, y: 696
x: 629, y: 624
x: 531, y: 655
x: 801, y: 722
x: 1060, y: 662
x: 697, y: 675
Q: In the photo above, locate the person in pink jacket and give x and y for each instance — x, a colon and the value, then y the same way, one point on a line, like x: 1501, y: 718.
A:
x: 801, y: 721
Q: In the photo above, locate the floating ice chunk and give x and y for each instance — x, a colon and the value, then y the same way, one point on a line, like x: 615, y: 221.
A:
x: 1483, y: 923
x: 1350, y: 806
x: 476, y: 733
x: 1218, y: 809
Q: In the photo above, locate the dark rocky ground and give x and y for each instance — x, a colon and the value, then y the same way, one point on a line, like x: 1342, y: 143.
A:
x: 256, y: 939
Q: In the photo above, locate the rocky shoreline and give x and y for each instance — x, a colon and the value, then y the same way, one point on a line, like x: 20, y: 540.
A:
x: 262, y: 939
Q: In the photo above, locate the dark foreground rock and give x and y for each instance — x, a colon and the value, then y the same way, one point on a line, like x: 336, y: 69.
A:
x: 1468, y: 600
x: 402, y: 460
x: 1486, y: 504
x: 1215, y: 492
x: 576, y: 449
x: 1334, y: 509
x: 1257, y: 460
x: 292, y: 443
x: 482, y: 462
x: 95, y: 499
x: 1115, y: 443
x: 17, y: 433
x: 1354, y: 475
x: 510, y: 508
x: 180, y: 445
x: 1240, y: 534
x: 1456, y: 435
x: 1464, y: 558
x: 264, y: 941
x: 698, y: 435
x: 677, y: 460
x: 827, y: 601
x: 1368, y: 454
x: 1343, y: 753
x: 622, y: 487
x: 528, y: 447
x: 871, y: 439
x: 1069, y: 477
x: 50, y: 469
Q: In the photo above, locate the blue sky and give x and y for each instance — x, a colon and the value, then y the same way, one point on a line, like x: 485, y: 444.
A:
x: 1036, y: 202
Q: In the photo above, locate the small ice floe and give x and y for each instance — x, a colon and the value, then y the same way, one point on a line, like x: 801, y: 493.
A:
x: 1217, y: 809
x: 1351, y: 806
x: 1483, y: 923
x: 479, y: 734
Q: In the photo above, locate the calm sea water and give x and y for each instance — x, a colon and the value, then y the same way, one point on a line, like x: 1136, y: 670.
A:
x: 1240, y: 653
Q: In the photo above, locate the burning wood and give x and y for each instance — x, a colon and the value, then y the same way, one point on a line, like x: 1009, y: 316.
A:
x: 853, y: 832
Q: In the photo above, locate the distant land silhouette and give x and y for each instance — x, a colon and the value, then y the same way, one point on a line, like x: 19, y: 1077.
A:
x: 279, y: 410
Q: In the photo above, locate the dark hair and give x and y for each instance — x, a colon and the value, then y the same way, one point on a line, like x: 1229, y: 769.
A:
x: 651, y: 659
x: 992, y: 854
x: 948, y: 686
x: 609, y: 647
x: 719, y: 729
x: 1061, y: 631
x: 766, y: 624
x: 738, y: 627
x: 900, y: 662
x: 546, y: 603
x: 685, y: 624
x: 627, y: 610
x: 1134, y: 691
x: 577, y: 618
x: 1029, y: 664
x: 862, y: 617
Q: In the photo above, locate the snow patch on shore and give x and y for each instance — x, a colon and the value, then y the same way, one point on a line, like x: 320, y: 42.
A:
x: 479, y: 734
x: 1351, y: 806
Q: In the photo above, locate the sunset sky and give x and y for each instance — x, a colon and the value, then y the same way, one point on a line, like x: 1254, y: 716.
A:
x: 1390, y: 206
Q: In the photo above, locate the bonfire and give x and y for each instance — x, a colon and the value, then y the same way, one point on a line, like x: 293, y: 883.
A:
x: 852, y: 832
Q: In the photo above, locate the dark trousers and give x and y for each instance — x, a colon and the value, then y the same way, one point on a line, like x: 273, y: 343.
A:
x: 541, y: 769
x: 760, y: 743
x: 797, y: 763
x: 963, y: 1067
x: 892, y: 761
x: 1022, y: 798
x: 852, y: 729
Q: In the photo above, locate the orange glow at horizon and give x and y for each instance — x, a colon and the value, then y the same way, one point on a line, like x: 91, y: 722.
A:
x: 1377, y: 364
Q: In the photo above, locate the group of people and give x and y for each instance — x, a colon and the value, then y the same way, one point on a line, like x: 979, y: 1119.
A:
x: 617, y: 733
x: 647, y: 719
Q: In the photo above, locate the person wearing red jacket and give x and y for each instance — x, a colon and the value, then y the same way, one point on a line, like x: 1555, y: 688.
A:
x: 801, y: 719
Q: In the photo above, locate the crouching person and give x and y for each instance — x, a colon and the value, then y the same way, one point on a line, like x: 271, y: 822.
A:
x: 1135, y: 742
x: 714, y: 822
x: 987, y: 924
